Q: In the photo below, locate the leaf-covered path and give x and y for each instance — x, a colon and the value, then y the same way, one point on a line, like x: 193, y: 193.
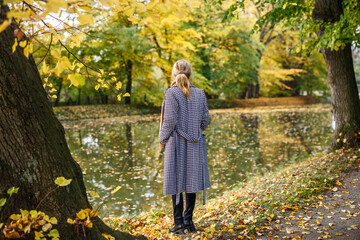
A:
x: 336, y: 215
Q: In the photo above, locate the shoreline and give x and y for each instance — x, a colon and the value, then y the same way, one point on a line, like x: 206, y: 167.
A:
x: 102, y: 111
x: 252, y: 209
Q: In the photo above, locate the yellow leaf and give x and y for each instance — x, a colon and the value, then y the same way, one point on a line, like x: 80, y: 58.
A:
x: 45, y: 68
x: 4, y: 25
x: 85, y: 19
x: 93, y: 213
x: 73, y: 81
x: 94, y: 194
x: 24, y: 213
x: 97, y: 87
x: 26, y: 52
x: 62, y: 182
x: 53, y: 220
x: 69, y: 220
x: 119, y: 97
x: 31, y: 48
x: 34, y: 213
x: 38, y: 235
x: 107, y: 236
x: 56, y: 53
x: 81, y: 215
x: 116, y: 189
x: 15, y: 217
x: 89, y: 225
x: 344, y: 140
x: 14, y: 45
x: 127, y: 95
x: 118, y: 85
x: 22, y: 43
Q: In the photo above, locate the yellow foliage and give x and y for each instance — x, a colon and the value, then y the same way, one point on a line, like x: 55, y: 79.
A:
x: 85, y: 19
x: 4, y: 25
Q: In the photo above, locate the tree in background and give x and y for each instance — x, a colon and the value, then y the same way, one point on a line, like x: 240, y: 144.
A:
x: 229, y: 56
x: 283, y: 73
x: 332, y: 27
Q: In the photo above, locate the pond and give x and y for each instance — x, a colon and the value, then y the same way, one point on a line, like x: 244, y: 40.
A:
x: 241, y: 143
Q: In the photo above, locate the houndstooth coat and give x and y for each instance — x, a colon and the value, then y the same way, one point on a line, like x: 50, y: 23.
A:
x: 186, y: 165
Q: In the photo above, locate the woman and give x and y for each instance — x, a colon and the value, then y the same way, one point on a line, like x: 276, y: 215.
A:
x: 184, y: 117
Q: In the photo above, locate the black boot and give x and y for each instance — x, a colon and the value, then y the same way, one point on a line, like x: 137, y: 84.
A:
x: 189, y: 225
x: 178, y: 229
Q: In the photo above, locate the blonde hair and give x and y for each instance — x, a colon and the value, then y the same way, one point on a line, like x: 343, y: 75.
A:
x: 182, y: 74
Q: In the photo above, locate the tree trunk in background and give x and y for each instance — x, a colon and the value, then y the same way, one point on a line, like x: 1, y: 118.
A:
x: 345, y: 104
x: 128, y: 69
x: 33, y: 149
x: 58, y: 93
x: 79, y: 97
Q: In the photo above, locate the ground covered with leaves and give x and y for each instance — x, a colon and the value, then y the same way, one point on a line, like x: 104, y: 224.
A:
x: 311, y: 199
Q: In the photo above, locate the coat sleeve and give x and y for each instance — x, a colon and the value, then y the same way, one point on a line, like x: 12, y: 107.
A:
x: 205, y: 120
x: 170, y: 117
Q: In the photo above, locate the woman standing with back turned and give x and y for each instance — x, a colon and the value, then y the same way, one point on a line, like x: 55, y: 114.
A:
x: 184, y: 117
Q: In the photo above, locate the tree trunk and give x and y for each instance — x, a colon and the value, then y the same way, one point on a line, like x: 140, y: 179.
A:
x: 33, y: 149
x: 345, y: 102
x: 79, y: 96
x: 128, y: 69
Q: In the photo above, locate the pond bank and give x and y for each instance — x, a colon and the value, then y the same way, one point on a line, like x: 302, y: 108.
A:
x: 69, y: 113
x: 272, y: 206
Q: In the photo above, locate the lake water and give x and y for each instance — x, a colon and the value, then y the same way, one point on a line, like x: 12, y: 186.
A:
x: 241, y: 143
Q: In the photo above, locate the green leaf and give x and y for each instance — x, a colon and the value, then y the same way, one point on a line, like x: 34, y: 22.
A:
x: 80, y: 79
x: 116, y: 189
x: 54, y: 233
x: 2, y: 202
x: 62, y: 182
x: 12, y: 190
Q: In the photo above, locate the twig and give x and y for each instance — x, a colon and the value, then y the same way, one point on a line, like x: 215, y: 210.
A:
x: 45, y: 197
x: 86, y: 66
x: 48, y: 50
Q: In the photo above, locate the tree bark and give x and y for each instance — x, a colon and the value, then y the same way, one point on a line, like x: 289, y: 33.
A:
x: 345, y: 104
x: 128, y: 69
x: 33, y: 149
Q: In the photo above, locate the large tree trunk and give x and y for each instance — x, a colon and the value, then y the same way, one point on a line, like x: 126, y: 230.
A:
x: 345, y: 102
x: 128, y: 69
x: 33, y: 149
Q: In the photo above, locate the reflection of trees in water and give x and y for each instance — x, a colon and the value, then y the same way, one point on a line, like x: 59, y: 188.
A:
x: 296, y: 128
x: 129, y: 156
x: 251, y: 123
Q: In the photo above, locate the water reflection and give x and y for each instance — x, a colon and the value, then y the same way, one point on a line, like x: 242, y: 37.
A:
x: 239, y: 145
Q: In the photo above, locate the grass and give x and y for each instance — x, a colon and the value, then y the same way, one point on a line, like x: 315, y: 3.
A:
x: 246, y: 210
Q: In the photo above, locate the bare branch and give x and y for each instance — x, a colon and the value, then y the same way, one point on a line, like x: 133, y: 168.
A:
x: 48, y: 50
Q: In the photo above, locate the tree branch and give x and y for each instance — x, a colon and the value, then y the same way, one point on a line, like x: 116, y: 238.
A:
x: 48, y: 49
